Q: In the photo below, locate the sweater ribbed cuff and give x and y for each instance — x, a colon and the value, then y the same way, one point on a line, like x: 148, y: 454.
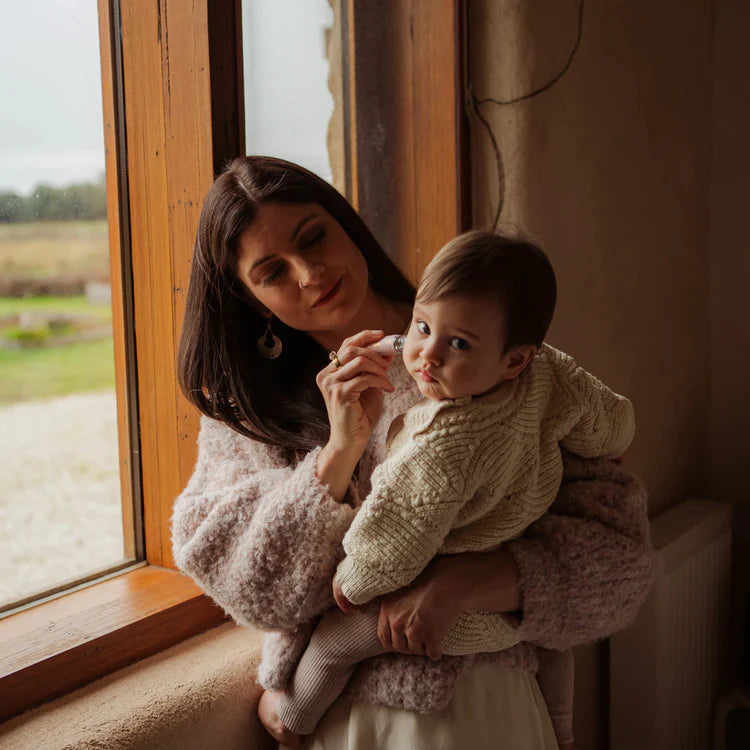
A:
x: 563, y: 726
x: 359, y: 583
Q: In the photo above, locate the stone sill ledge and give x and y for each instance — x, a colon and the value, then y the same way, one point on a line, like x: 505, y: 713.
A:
x: 196, y: 695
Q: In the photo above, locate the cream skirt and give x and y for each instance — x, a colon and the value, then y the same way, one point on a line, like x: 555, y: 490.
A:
x: 493, y: 708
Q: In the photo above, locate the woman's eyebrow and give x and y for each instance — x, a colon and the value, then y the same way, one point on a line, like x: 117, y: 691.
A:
x: 301, y: 223
x: 260, y: 262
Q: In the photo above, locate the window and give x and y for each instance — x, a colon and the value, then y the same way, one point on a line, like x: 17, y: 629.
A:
x: 61, y: 503
x: 182, y: 104
x: 288, y: 61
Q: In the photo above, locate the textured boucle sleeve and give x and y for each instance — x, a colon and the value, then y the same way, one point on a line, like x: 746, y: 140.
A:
x: 260, y: 537
x: 414, y: 500
x: 585, y: 566
x: 604, y: 423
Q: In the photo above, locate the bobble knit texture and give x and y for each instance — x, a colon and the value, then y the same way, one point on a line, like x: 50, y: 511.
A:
x: 263, y: 539
x: 467, y: 475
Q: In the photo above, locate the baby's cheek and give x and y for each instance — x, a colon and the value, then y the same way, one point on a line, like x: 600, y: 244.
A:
x: 410, y: 352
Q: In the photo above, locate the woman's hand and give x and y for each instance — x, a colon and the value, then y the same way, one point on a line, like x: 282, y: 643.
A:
x: 416, y: 619
x: 413, y: 620
x: 353, y: 394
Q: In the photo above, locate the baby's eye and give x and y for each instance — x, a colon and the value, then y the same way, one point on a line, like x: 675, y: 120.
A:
x: 423, y: 328
x: 459, y: 343
x: 273, y: 276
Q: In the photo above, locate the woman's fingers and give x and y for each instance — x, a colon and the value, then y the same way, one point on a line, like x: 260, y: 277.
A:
x: 398, y: 639
x: 395, y: 633
x: 363, y: 338
x: 414, y: 643
x: 358, y: 365
x: 346, y: 354
x: 433, y: 647
x: 353, y: 389
x: 384, y: 630
x: 346, y: 383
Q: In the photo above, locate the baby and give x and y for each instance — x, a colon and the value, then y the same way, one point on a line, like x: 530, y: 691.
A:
x: 469, y: 467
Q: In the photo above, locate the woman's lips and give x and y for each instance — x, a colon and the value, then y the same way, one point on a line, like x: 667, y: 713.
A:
x: 328, y: 295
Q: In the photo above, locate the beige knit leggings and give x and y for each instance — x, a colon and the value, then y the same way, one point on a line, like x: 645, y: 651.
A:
x: 338, y: 644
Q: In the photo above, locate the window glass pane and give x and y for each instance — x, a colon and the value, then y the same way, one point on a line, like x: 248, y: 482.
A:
x: 60, y: 503
x: 288, y: 104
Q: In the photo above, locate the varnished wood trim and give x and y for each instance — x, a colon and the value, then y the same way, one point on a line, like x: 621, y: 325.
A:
x: 349, y: 25
x: 410, y: 165
x: 435, y: 62
x: 181, y: 103
x: 119, y: 282
x: 66, y: 643
x: 142, y: 41
x: 227, y: 95
x: 463, y: 134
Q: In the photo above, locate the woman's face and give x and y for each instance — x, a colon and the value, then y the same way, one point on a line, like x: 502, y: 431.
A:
x: 302, y: 266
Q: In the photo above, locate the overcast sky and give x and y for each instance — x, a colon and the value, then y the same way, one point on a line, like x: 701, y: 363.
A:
x: 50, y: 93
x: 287, y: 102
x: 50, y: 87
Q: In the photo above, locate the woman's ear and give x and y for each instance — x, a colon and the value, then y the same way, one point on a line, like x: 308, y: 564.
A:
x: 241, y: 291
x: 516, y: 360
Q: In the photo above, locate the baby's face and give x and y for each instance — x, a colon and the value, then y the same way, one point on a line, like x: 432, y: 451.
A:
x: 454, y: 347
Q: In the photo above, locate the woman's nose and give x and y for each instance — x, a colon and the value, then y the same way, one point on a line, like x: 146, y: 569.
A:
x: 310, y: 274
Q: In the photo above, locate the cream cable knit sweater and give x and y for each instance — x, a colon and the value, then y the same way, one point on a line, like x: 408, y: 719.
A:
x: 263, y: 539
x: 467, y: 475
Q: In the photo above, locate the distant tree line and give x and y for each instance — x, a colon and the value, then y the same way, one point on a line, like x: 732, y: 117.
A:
x: 82, y: 201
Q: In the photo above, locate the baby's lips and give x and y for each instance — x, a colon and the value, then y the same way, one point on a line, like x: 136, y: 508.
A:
x: 389, y: 345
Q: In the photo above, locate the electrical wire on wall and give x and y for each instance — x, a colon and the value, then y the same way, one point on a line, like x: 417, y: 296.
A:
x: 473, y: 104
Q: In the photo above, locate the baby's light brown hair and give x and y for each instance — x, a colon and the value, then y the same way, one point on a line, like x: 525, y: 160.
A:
x: 515, y: 273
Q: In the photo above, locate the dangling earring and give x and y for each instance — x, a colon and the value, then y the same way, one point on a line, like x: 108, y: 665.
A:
x: 269, y: 345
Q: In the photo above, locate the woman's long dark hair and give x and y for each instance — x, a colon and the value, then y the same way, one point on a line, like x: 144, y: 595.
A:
x: 218, y: 367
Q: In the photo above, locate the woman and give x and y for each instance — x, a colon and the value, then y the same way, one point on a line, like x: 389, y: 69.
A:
x: 284, y: 272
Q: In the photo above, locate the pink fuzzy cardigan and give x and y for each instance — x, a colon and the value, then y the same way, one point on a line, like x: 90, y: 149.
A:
x: 263, y: 539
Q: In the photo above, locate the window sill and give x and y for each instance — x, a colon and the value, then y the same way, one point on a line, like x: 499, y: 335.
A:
x: 65, y: 643
x: 198, y: 694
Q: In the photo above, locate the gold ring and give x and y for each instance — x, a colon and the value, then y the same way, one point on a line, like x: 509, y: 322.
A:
x: 335, y: 359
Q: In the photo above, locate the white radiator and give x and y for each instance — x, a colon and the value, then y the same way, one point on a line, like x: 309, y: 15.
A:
x: 666, y: 670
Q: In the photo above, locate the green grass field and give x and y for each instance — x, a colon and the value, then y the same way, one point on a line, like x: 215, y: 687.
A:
x: 73, y: 305
x: 41, y: 250
x: 27, y: 374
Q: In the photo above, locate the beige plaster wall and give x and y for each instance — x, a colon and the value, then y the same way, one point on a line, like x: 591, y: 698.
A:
x: 609, y: 168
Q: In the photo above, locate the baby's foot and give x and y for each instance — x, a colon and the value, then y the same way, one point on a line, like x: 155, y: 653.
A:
x: 269, y: 717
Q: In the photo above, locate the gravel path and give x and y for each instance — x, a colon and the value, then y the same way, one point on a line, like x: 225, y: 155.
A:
x: 60, y: 512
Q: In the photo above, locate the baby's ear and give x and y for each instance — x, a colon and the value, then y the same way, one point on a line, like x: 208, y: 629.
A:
x: 518, y: 358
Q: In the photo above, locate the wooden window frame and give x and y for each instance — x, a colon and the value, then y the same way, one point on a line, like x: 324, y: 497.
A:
x: 183, y: 109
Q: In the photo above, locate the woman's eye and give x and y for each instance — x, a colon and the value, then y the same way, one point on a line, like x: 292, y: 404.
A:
x: 275, y: 275
x: 459, y: 343
x: 313, y: 238
x: 422, y: 327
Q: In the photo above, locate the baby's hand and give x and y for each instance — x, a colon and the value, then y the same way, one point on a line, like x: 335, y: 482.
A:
x: 342, y: 602
x: 269, y: 717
